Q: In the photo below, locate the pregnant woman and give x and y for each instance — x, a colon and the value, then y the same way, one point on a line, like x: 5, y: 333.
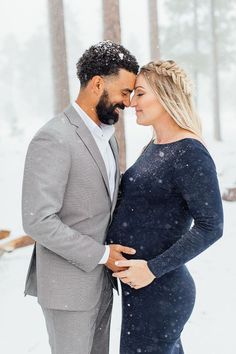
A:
x: 170, y: 211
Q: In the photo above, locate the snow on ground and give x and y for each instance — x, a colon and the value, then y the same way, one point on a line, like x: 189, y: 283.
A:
x: 210, y: 329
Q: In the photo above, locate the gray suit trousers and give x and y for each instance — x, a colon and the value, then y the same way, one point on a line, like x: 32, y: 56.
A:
x: 81, y: 332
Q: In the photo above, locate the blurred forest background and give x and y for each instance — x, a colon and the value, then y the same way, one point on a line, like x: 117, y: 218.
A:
x: 42, y: 41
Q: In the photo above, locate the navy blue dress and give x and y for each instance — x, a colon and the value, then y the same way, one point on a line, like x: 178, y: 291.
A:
x: 167, y: 188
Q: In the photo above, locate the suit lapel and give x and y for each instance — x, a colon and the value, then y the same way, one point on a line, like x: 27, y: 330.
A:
x: 88, y: 141
x: 114, y: 147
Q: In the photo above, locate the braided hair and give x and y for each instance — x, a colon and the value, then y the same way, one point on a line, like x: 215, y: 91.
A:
x: 174, y: 91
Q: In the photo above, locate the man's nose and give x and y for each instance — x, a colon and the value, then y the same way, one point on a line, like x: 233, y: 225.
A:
x: 126, y: 102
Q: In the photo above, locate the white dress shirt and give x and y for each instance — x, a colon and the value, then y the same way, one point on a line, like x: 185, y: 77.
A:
x: 102, y: 134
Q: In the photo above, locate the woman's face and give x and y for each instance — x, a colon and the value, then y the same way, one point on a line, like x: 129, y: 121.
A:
x: 146, y: 104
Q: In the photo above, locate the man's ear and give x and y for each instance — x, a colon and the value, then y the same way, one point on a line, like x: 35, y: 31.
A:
x: 97, y: 85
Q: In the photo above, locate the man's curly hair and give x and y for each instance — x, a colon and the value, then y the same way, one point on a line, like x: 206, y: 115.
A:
x: 105, y: 58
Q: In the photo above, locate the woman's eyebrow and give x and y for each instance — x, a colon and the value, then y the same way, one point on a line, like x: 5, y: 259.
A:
x: 136, y: 87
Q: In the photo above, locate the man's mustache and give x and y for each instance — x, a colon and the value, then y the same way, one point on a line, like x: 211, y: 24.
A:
x: 119, y: 105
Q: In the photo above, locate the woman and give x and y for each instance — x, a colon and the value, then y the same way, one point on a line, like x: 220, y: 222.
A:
x: 172, y: 184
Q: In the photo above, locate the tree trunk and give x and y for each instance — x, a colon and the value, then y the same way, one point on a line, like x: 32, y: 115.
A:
x: 196, y: 48
x: 112, y: 31
x: 4, y: 234
x: 230, y: 194
x: 19, y: 242
x: 153, y: 30
x: 58, y: 54
x: 215, y: 75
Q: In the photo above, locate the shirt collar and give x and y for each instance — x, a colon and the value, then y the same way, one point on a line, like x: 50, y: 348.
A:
x: 102, y: 131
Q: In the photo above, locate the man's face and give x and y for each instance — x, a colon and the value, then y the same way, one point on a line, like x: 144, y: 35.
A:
x: 116, y: 96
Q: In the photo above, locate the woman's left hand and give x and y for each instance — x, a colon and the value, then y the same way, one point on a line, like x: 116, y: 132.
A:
x: 137, y: 276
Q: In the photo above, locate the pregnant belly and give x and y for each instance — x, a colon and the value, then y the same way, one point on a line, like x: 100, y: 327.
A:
x: 148, y: 243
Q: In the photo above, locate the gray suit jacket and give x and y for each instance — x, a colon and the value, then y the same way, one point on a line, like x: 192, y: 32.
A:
x: 67, y: 209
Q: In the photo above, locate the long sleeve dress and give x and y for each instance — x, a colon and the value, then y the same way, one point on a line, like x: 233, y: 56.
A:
x: 170, y: 211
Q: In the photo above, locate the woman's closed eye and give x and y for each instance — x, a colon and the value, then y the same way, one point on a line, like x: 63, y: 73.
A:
x: 138, y: 93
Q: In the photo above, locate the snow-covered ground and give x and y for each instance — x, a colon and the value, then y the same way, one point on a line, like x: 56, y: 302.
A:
x: 211, y: 328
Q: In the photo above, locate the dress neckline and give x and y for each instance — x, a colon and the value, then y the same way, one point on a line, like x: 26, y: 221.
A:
x: 175, y: 142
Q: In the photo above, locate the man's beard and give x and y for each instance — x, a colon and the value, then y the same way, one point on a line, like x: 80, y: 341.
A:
x: 106, y: 111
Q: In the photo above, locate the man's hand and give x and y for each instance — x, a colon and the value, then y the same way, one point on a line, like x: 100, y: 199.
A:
x: 116, y: 255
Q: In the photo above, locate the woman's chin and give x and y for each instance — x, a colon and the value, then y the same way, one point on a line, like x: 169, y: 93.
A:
x: 140, y: 121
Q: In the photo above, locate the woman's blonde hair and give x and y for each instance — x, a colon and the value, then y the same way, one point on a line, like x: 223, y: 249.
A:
x: 174, y: 91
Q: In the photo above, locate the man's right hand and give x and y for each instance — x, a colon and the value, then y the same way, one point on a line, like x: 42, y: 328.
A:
x: 116, y: 255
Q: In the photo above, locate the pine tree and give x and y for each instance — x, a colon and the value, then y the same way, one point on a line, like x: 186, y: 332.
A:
x: 153, y: 30
x: 199, y: 35
x: 112, y: 31
x: 59, y: 57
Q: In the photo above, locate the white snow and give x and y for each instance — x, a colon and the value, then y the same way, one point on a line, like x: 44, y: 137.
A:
x: 121, y: 55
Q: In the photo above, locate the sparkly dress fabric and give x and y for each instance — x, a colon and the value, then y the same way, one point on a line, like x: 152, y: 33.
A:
x: 167, y: 188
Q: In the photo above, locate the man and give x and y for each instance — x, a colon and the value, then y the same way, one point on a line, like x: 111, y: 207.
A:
x: 69, y: 194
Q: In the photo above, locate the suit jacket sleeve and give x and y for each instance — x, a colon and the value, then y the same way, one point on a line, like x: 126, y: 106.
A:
x: 47, y: 168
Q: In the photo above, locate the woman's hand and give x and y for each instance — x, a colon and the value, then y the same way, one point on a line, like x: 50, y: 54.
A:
x: 138, y: 275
